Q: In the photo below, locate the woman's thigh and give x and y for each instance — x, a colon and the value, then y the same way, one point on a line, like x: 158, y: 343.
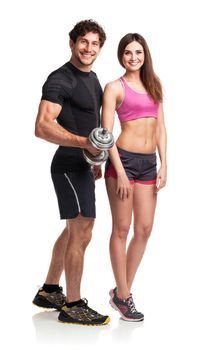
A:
x: 121, y: 209
x: 144, y: 204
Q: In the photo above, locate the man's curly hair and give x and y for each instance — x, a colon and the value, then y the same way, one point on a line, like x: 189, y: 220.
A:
x: 86, y: 26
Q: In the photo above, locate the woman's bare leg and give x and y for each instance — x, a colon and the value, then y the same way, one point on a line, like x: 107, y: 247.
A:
x: 144, y: 204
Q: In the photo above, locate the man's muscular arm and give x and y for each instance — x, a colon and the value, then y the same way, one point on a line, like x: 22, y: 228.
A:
x: 48, y: 129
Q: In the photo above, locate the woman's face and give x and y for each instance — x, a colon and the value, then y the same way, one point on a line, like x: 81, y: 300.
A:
x: 133, y: 56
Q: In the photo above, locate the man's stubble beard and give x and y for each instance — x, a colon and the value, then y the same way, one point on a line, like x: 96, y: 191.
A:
x: 85, y: 64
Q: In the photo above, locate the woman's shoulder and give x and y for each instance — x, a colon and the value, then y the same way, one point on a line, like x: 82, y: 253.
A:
x: 114, y: 85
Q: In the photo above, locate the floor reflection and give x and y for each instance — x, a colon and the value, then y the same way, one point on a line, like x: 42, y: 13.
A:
x: 124, y: 331
x: 50, y: 331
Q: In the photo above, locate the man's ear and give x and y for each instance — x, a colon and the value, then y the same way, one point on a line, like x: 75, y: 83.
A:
x: 71, y: 43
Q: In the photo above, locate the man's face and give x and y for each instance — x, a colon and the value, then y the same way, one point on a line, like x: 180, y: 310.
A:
x: 86, y: 49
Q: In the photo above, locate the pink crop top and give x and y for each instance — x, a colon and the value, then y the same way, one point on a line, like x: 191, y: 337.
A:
x: 136, y: 105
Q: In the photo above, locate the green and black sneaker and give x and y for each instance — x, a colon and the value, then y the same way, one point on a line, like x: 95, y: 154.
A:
x: 54, y: 300
x: 82, y: 314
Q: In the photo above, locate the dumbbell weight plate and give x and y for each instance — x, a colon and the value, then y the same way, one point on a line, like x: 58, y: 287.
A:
x: 95, y: 160
x: 101, y: 138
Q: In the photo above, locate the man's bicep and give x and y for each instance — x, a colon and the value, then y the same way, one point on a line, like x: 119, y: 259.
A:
x: 48, y: 111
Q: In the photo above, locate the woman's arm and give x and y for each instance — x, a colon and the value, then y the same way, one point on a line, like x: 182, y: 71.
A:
x: 110, y: 101
x: 162, y: 148
x: 108, y: 116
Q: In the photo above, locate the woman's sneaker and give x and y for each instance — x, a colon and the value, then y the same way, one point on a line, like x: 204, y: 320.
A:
x: 54, y: 300
x: 82, y: 314
x: 126, y: 307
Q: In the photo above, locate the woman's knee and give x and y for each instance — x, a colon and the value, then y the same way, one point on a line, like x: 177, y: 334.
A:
x: 121, y: 231
x: 143, y: 233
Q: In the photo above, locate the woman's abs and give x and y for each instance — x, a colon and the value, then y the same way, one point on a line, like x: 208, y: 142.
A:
x: 138, y: 137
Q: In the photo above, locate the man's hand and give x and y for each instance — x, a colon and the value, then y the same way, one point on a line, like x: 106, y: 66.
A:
x: 93, y: 150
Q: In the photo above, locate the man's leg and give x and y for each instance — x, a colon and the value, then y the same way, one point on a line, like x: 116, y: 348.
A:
x: 50, y: 296
x: 57, y: 261
x: 80, y: 235
x: 76, y: 310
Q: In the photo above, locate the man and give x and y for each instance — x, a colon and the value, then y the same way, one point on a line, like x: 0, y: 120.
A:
x: 69, y: 110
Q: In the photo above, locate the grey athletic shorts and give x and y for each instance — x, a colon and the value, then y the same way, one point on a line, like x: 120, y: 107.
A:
x: 139, y: 167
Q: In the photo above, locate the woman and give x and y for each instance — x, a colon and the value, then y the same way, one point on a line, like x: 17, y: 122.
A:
x: 132, y: 180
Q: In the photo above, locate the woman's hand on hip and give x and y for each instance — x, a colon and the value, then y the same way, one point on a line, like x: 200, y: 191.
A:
x: 161, y: 178
x: 123, y: 186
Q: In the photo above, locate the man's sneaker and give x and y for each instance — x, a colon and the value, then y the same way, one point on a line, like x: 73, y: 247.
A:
x: 54, y: 300
x: 82, y: 314
x: 126, y: 307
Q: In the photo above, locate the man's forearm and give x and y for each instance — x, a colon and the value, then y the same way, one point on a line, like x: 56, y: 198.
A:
x: 55, y: 133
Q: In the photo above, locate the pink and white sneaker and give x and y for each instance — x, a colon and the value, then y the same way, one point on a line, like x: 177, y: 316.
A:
x: 126, y: 307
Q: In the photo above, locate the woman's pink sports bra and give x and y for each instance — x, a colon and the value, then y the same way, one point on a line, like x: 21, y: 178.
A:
x: 136, y: 105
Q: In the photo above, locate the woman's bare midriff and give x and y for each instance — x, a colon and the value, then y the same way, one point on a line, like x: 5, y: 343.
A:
x: 138, y: 135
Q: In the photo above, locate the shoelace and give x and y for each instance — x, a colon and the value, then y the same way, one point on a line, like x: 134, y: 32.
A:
x: 131, y: 304
x: 59, y: 293
x: 85, y: 304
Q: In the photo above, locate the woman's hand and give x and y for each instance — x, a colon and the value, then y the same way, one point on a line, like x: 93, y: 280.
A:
x: 161, y: 178
x: 123, y: 186
x: 97, y: 171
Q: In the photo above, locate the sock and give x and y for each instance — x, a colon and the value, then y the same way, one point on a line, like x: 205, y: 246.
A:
x: 73, y: 303
x: 50, y: 288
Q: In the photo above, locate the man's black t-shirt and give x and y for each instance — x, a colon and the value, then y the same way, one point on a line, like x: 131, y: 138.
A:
x: 80, y: 95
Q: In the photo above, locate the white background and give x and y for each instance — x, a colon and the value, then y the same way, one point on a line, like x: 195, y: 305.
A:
x: 171, y: 286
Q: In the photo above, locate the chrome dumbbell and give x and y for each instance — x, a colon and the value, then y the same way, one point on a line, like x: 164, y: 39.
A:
x: 101, y: 139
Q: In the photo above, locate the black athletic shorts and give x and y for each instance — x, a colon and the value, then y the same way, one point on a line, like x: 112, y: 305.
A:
x: 75, y: 192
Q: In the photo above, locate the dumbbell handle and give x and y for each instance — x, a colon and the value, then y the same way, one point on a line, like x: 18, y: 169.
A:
x: 99, y: 141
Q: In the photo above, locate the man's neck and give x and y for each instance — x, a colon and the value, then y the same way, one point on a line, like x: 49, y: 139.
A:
x: 80, y: 66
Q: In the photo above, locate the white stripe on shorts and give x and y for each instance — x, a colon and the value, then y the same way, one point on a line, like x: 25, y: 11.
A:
x: 76, y: 196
